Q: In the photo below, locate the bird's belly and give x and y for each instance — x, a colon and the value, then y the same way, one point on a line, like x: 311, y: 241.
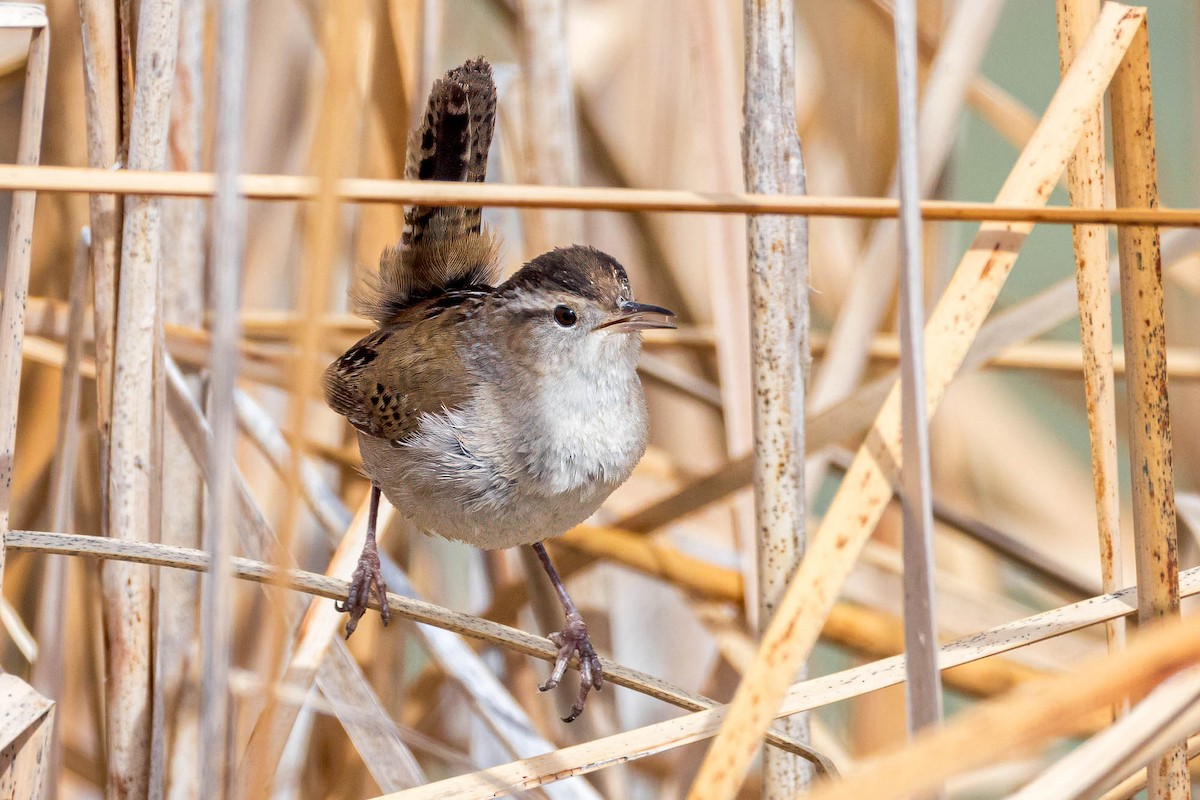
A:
x: 465, y: 496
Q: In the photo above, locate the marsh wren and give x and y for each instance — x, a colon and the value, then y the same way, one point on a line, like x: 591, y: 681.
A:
x: 498, y: 415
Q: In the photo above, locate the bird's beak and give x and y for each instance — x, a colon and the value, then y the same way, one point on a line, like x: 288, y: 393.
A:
x: 638, y: 317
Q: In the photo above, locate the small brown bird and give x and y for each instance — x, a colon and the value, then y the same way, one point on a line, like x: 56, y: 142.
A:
x: 496, y: 415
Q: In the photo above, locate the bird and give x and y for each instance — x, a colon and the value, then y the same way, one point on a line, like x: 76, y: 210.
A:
x: 499, y: 414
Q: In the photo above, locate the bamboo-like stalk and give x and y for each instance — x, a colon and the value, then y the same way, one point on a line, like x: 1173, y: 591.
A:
x: 1155, y: 536
x: 176, y: 712
x: 923, y: 690
x: 25, y: 734
x: 47, y: 673
x: 1085, y: 177
x: 865, y: 491
x: 154, y: 554
x: 102, y: 96
x: 126, y: 587
x: 15, y: 177
x: 15, y: 277
x: 228, y: 230
x: 1137, y: 781
x: 778, y: 272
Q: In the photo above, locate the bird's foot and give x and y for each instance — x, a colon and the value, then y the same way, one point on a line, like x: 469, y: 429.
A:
x: 366, y: 575
x: 571, y: 640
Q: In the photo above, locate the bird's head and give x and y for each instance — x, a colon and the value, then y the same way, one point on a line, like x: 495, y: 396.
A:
x: 573, y: 307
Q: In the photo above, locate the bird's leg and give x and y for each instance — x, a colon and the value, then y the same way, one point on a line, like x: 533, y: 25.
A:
x: 572, y: 639
x: 366, y: 575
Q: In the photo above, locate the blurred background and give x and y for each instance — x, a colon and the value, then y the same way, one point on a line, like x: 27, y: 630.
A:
x: 626, y: 94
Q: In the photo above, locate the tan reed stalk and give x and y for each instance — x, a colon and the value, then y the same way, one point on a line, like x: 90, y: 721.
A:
x: 127, y: 596
x: 866, y: 490
x: 1155, y: 536
x: 1085, y: 176
x: 216, y: 762
x: 778, y: 270
x: 47, y: 673
x: 25, y: 738
x: 161, y: 555
x: 15, y: 275
x: 16, y: 177
x: 176, y: 713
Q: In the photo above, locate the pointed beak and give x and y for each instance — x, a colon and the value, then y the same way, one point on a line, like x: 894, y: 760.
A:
x: 638, y: 317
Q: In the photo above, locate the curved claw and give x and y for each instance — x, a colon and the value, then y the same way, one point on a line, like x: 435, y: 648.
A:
x: 367, y: 576
x: 573, y: 640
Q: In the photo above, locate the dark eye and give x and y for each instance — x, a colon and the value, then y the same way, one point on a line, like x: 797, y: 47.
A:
x: 565, y: 316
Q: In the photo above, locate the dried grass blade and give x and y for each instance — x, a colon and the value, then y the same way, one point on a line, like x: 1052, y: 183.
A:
x: 15, y: 277
x: 228, y: 231
x: 866, y: 489
x: 1155, y: 536
x: 126, y: 587
x: 777, y: 258
x: 924, y: 685
x: 47, y: 674
x: 1085, y: 178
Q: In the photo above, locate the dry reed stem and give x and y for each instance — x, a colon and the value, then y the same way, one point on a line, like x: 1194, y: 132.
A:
x: 176, y: 713
x: 15, y: 274
x: 1183, y: 363
x: 1137, y: 781
x: 777, y: 262
x: 47, y: 672
x: 228, y: 232
x: 1028, y: 716
x: 999, y: 109
x: 1085, y: 177
x: 518, y: 641
x: 15, y: 177
x: 813, y: 693
x: 866, y: 490
x: 1155, y: 536
x: 803, y: 696
x: 923, y: 690
x: 25, y: 726
x: 385, y: 754
x: 131, y: 462
x: 1169, y: 712
x: 102, y: 115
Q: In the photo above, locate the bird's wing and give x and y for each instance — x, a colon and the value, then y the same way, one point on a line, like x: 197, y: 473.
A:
x: 390, y: 378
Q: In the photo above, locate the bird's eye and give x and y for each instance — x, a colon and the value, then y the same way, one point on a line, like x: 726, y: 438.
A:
x: 565, y: 316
